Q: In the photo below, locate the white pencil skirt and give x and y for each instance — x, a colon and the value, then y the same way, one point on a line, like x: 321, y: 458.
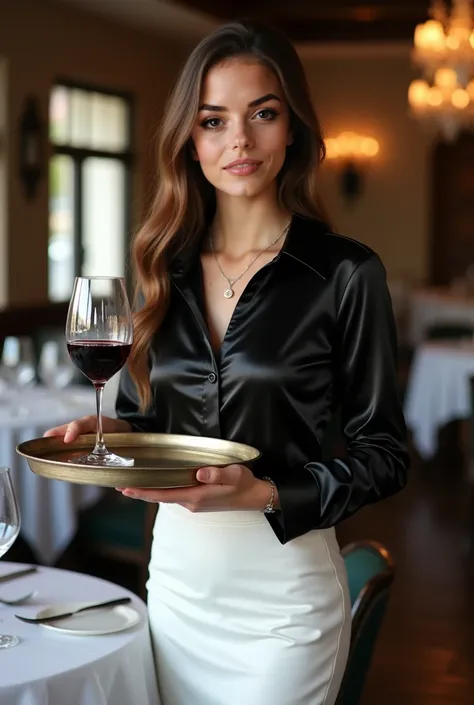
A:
x: 238, y: 619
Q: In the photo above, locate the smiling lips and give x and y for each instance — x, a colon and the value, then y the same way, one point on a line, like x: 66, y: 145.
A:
x: 243, y: 167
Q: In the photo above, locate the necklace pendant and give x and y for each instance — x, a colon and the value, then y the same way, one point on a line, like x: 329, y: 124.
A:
x: 228, y: 293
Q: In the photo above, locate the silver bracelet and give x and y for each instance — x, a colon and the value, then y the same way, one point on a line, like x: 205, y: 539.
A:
x: 270, y: 507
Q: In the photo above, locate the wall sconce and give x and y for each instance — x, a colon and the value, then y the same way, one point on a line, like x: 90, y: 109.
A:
x: 352, y: 152
x: 31, y: 161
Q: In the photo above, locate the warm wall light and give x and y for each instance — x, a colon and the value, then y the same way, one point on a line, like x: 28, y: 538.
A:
x: 352, y: 151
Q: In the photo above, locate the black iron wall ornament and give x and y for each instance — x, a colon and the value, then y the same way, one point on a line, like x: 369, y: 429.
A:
x: 352, y: 181
x: 31, y: 147
x: 352, y: 154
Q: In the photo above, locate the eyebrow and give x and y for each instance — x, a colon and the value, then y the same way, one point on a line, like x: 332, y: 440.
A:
x: 252, y: 104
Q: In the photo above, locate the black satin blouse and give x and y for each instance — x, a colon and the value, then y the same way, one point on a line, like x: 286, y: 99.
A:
x: 313, y: 332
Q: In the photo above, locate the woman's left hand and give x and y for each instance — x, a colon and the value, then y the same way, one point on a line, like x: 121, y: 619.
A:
x: 230, y: 488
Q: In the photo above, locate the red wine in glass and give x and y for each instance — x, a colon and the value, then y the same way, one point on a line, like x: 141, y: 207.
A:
x: 99, y: 337
x: 99, y: 360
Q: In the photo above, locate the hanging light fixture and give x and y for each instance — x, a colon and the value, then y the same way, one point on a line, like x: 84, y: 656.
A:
x: 444, y: 51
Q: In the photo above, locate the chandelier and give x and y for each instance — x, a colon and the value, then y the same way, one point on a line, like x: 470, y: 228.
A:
x: 444, y: 51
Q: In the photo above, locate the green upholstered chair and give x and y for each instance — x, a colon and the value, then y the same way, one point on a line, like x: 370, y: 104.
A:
x: 370, y: 571
x: 119, y: 528
x: 449, y: 331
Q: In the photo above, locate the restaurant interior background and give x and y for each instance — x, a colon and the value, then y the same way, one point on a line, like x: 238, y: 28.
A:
x: 398, y: 178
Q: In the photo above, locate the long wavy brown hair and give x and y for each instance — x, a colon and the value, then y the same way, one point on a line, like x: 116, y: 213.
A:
x: 185, y: 201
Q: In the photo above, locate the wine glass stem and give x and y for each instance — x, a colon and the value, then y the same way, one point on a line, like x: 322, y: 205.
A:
x: 100, y: 448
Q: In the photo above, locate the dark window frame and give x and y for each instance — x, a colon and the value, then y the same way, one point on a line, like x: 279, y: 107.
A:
x: 80, y: 154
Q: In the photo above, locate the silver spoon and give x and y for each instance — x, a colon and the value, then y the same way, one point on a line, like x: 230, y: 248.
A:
x: 17, y: 600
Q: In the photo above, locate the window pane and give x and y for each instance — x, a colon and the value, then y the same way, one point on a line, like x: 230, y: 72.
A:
x: 59, y: 115
x: 61, y: 228
x: 80, y: 118
x: 109, y: 129
x: 104, y: 217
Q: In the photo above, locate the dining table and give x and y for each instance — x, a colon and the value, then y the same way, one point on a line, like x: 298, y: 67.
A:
x: 438, y: 391
x: 437, y: 305
x: 99, y: 657
x: 49, y: 508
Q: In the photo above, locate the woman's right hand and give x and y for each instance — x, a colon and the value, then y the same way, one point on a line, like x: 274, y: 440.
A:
x: 88, y: 424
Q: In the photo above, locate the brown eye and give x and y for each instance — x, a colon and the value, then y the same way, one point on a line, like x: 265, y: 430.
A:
x: 211, y: 123
x: 267, y: 114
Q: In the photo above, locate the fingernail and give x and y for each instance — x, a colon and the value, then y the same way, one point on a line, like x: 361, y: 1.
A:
x: 204, y: 475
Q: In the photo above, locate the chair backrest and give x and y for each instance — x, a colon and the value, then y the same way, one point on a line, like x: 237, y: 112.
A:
x: 449, y: 330
x: 370, y: 571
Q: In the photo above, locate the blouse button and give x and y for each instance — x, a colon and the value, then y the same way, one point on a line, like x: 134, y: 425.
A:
x: 212, y: 378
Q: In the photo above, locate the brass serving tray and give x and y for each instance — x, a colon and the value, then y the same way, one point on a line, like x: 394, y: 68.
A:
x: 161, y: 460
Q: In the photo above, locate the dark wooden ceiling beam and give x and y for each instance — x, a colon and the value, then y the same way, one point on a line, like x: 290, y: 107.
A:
x: 339, y: 20
x: 348, y: 31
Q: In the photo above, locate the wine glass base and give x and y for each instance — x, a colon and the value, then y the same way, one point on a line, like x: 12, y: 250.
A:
x: 109, y: 460
x: 7, y: 641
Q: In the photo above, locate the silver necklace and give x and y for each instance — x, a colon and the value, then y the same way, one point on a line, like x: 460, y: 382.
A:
x: 229, y: 292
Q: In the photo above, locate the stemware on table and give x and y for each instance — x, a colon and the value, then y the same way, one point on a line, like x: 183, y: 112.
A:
x: 9, y: 530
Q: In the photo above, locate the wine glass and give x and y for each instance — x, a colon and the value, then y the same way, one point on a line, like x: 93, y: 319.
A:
x: 99, y: 336
x: 18, y: 371
x: 55, y: 368
x: 9, y: 530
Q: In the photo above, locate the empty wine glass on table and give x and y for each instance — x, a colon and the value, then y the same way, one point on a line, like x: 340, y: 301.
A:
x: 99, y: 336
x: 18, y: 358
x: 55, y: 368
x: 18, y: 372
x: 9, y: 530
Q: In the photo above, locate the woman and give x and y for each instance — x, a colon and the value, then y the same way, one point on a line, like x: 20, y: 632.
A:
x: 256, y: 323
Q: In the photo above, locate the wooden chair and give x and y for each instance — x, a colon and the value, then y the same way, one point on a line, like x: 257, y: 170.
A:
x: 121, y: 529
x: 370, y: 571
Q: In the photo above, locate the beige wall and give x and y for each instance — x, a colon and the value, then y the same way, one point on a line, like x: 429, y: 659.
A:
x: 365, y: 89
x: 362, y: 89
x: 41, y: 40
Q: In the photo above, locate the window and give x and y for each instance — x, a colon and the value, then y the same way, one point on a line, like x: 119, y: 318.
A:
x: 90, y: 185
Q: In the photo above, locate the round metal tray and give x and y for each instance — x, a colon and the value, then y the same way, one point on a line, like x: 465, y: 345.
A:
x: 161, y: 460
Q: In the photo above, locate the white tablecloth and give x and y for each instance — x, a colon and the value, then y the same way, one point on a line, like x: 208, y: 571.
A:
x: 50, y: 668
x: 438, y: 391
x: 48, y: 508
x: 437, y: 305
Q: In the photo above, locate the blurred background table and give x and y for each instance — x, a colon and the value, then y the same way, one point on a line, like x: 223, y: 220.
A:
x: 51, y: 668
x: 438, y: 391
x: 435, y: 306
x: 49, y: 508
